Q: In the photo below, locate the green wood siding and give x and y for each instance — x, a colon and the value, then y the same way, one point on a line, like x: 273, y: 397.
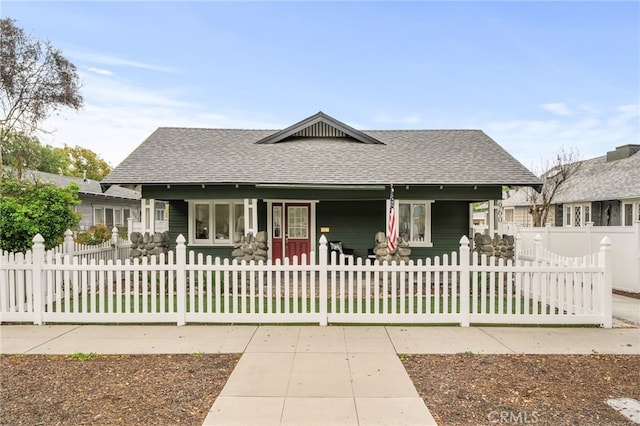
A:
x: 449, y: 222
x: 354, y: 223
x: 178, y: 219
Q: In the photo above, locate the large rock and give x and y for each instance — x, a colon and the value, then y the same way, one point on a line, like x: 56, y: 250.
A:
x: 148, y: 245
x: 251, y: 247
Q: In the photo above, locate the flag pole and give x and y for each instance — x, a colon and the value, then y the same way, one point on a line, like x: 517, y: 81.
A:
x: 392, y: 231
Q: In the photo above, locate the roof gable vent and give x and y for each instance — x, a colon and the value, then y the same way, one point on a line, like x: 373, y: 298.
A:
x: 320, y: 130
x: 319, y: 125
x: 622, y: 152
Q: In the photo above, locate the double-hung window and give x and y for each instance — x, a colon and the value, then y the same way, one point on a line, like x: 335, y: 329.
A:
x: 214, y: 222
x: 577, y: 214
x: 414, y: 221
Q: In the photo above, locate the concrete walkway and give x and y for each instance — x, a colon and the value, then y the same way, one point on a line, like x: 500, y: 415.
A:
x: 338, y: 375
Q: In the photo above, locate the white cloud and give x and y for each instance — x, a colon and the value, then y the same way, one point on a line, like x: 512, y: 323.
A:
x: 591, y: 131
x: 557, y: 108
x: 100, y: 71
x: 118, y: 116
x: 80, y: 56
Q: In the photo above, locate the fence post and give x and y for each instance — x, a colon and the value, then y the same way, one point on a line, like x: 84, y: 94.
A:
x: 517, y: 249
x: 607, y: 287
x: 464, y: 281
x: 68, y: 242
x: 38, y: 293
x: 115, y: 236
x: 323, y: 280
x: 538, y: 249
x: 181, y: 266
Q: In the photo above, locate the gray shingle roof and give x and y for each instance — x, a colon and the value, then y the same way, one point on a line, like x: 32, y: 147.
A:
x: 596, y: 180
x: 90, y: 187
x: 195, y: 156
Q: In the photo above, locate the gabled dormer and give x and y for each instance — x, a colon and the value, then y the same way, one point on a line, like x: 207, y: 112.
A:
x: 319, y: 125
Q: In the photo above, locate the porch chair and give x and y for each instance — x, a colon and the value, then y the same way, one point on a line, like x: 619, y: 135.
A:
x: 339, y: 248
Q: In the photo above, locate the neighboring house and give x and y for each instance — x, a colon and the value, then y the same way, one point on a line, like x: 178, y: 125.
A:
x: 319, y: 176
x: 111, y: 207
x: 604, y: 191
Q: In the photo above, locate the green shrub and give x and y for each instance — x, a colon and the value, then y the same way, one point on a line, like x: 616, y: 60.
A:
x: 95, y: 235
x: 28, y: 208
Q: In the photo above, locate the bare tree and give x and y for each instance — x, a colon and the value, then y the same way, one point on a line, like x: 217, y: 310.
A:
x: 555, y: 173
x: 36, y: 80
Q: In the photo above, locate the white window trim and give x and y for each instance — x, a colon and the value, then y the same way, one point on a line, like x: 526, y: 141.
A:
x: 427, y: 236
x: 509, y: 211
x: 571, y: 207
x: 104, y: 207
x: 211, y: 241
x: 635, y: 212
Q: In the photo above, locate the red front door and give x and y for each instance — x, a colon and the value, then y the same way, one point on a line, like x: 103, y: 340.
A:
x: 291, y: 230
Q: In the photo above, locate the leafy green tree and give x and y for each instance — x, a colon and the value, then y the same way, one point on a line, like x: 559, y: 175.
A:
x: 28, y: 208
x: 35, y: 81
x: 84, y: 160
x: 21, y: 152
x: 54, y: 160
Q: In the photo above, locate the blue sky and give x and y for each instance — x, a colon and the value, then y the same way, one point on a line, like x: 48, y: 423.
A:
x: 535, y: 76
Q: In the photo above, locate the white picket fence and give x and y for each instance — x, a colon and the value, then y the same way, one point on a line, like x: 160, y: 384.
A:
x: 115, y: 248
x: 184, y: 288
x: 579, y: 241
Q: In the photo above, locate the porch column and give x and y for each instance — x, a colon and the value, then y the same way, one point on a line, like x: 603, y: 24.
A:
x: 251, y: 215
x: 147, y: 217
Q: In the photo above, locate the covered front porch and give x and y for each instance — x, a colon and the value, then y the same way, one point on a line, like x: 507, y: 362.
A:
x: 214, y: 218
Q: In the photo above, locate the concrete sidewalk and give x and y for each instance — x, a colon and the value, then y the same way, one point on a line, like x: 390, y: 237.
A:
x: 339, y: 375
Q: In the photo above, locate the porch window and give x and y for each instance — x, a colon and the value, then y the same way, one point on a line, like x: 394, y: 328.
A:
x: 202, y: 222
x: 214, y: 222
x: 414, y: 222
x: 239, y: 218
x: 221, y: 221
x: 577, y: 214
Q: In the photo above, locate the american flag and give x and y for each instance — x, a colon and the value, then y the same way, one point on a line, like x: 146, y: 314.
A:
x: 392, y: 231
